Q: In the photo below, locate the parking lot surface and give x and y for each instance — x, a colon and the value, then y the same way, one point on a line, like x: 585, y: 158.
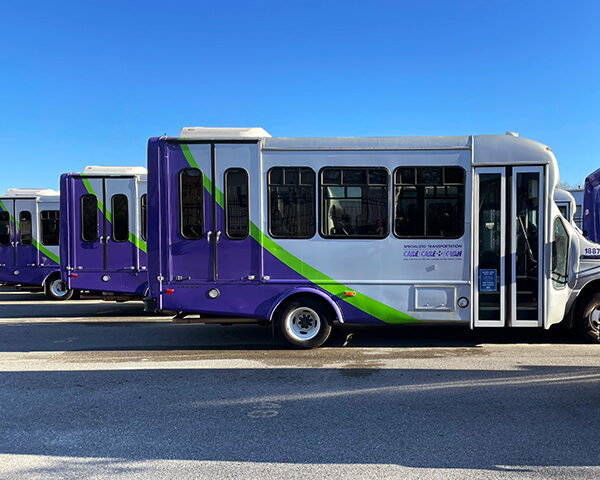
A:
x: 97, y: 389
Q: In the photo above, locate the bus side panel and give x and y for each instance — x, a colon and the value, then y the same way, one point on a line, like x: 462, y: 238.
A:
x: 156, y: 239
x: 65, y: 236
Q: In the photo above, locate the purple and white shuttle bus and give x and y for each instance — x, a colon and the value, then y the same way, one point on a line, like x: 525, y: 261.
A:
x: 304, y: 233
x: 103, y: 231
x: 29, y: 237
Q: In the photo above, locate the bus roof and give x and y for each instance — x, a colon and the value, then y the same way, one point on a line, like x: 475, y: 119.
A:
x: 31, y: 193
x: 107, y: 170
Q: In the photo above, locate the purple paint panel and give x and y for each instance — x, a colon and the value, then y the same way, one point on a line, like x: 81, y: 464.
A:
x: 26, y: 275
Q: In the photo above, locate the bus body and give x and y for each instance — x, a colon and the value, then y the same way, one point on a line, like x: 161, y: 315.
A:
x: 305, y: 232
x: 103, y: 240
x: 29, y: 238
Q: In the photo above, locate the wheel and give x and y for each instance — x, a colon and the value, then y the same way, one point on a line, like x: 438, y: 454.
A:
x: 587, y: 318
x: 56, y: 289
x: 304, y: 322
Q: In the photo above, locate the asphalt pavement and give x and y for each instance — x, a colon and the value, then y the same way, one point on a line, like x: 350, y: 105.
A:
x: 92, y: 389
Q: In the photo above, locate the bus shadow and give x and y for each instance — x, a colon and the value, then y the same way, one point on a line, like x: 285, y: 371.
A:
x: 511, y: 420
x: 140, y: 335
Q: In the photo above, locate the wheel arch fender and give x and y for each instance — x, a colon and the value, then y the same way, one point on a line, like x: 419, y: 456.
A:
x: 304, y: 291
x: 50, y: 275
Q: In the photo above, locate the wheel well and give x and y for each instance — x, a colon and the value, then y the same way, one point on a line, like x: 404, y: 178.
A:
x: 588, y: 290
x: 333, y: 316
x: 49, y: 278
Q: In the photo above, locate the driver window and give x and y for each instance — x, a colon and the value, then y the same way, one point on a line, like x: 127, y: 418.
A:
x: 560, y: 255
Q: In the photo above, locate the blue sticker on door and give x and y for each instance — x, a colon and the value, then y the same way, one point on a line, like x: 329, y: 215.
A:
x: 488, y: 280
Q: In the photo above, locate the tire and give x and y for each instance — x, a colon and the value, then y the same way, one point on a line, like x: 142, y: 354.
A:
x: 56, y: 289
x: 587, y: 318
x: 304, y: 322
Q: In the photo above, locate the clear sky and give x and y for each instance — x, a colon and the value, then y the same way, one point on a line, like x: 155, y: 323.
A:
x: 88, y: 82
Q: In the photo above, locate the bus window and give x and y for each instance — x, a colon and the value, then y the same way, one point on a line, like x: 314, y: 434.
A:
x: 25, y: 227
x: 560, y: 255
x: 120, y: 217
x: 49, y: 223
x: 291, y: 202
x: 144, y: 215
x: 89, y: 218
x: 4, y: 228
x: 237, y: 219
x: 191, y: 203
x: 354, y: 202
x: 429, y: 202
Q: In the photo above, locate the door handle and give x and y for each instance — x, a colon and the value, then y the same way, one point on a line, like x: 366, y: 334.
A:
x: 218, y: 236
x: 107, y: 238
x: 208, y: 234
x: 102, y: 239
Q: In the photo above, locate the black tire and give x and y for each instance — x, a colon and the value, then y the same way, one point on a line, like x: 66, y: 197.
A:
x: 304, y: 317
x: 55, y: 290
x: 587, y: 318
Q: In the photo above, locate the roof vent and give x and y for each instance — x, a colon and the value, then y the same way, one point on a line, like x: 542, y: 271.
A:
x: 512, y: 134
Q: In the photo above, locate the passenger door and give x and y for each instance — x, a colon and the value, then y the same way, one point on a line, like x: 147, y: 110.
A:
x: 87, y: 223
x: 120, y: 208
x: 236, y: 253
x: 189, y: 212
x: 26, y: 215
x: 508, y: 221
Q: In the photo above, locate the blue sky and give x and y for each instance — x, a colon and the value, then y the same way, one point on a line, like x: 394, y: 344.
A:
x: 86, y: 83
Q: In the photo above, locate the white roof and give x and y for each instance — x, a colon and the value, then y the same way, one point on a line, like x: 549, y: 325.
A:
x: 222, y: 133
x: 106, y: 170
x: 561, y: 195
x: 31, y: 192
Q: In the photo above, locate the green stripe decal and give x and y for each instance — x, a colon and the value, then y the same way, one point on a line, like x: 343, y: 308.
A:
x: 90, y: 190
x: 363, y: 302
x: 45, y: 251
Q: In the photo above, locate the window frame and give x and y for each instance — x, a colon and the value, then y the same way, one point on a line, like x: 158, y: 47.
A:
x: 180, y: 204
x: 89, y: 195
x: 321, y: 199
x: 30, y: 242
x: 144, y: 216
x: 112, y: 207
x: 395, y: 203
x: 564, y: 284
x: 315, y: 206
x: 9, y: 229
x: 226, y: 210
x: 42, y: 228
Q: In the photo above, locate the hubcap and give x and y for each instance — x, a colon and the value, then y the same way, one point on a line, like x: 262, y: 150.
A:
x: 58, y: 288
x: 302, y: 324
x: 594, y: 318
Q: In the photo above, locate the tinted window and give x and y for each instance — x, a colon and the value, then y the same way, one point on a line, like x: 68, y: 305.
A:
x: 191, y: 206
x: 4, y: 228
x: 429, y: 202
x: 237, y: 220
x: 25, y: 227
x: 89, y: 218
x: 354, y: 202
x: 291, y: 202
x: 144, y: 215
x: 49, y: 223
x: 120, y: 217
x: 560, y: 254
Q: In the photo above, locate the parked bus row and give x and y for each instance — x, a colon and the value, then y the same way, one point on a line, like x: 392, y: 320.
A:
x: 231, y: 225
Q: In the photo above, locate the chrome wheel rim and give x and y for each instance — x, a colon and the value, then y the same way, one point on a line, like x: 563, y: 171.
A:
x: 302, y: 324
x: 594, y: 318
x: 58, y: 288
